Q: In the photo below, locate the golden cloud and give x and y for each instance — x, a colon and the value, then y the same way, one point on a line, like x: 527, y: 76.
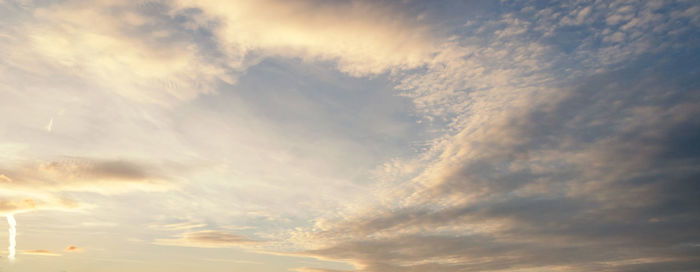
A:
x: 9, y: 206
x: 362, y: 37
x: 41, y: 252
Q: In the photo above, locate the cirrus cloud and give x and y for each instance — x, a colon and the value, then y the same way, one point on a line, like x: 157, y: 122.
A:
x: 208, y: 239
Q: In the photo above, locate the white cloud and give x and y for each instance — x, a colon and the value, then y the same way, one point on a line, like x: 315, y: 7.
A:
x: 363, y: 38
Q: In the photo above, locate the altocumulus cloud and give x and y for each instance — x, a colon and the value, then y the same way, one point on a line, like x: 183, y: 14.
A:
x: 590, y: 170
x: 533, y: 190
x: 567, y: 133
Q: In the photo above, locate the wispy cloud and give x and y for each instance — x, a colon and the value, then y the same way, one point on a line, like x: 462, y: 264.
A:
x: 9, y: 206
x: 208, y: 239
x: 83, y: 174
x: 31, y: 186
x: 40, y: 252
x: 177, y: 226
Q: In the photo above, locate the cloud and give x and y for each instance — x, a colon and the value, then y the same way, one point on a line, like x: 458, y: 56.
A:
x: 12, y: 203
x: 566, y: 134
x: 74, y: 249
x: 208, y: 239
x: 592, y: 170
x: 29, y: 186
x: 363, y: 37
x: 83, y: 174
x: 308, y: 269
x: 177, y: 226
x: 166, y: 52
x: 40, y: 252
x: 139, y: 57
x: 8, y: 206
x: 533, y: 189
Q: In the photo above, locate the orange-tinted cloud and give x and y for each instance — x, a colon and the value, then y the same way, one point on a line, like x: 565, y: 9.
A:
x: 73, y: 249
x: 13, y: 206
x: 41, y: 252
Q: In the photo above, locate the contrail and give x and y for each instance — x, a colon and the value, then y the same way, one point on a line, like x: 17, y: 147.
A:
x: 49, y: 127
x: 13, y: 233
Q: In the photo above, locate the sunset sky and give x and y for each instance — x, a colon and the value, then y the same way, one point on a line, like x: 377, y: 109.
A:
x: 367, y: 136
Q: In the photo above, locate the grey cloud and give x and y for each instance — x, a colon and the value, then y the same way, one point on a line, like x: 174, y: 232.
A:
x: 479, y: 253
x: 119, y: 169
x: 98, y: 169
x: 79, y: 171
x: 35, y: 185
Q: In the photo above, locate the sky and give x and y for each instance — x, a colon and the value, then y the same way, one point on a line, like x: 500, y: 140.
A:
x: 338, y: 136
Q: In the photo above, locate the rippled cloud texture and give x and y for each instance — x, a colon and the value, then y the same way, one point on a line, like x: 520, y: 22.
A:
x: 368, y: 136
